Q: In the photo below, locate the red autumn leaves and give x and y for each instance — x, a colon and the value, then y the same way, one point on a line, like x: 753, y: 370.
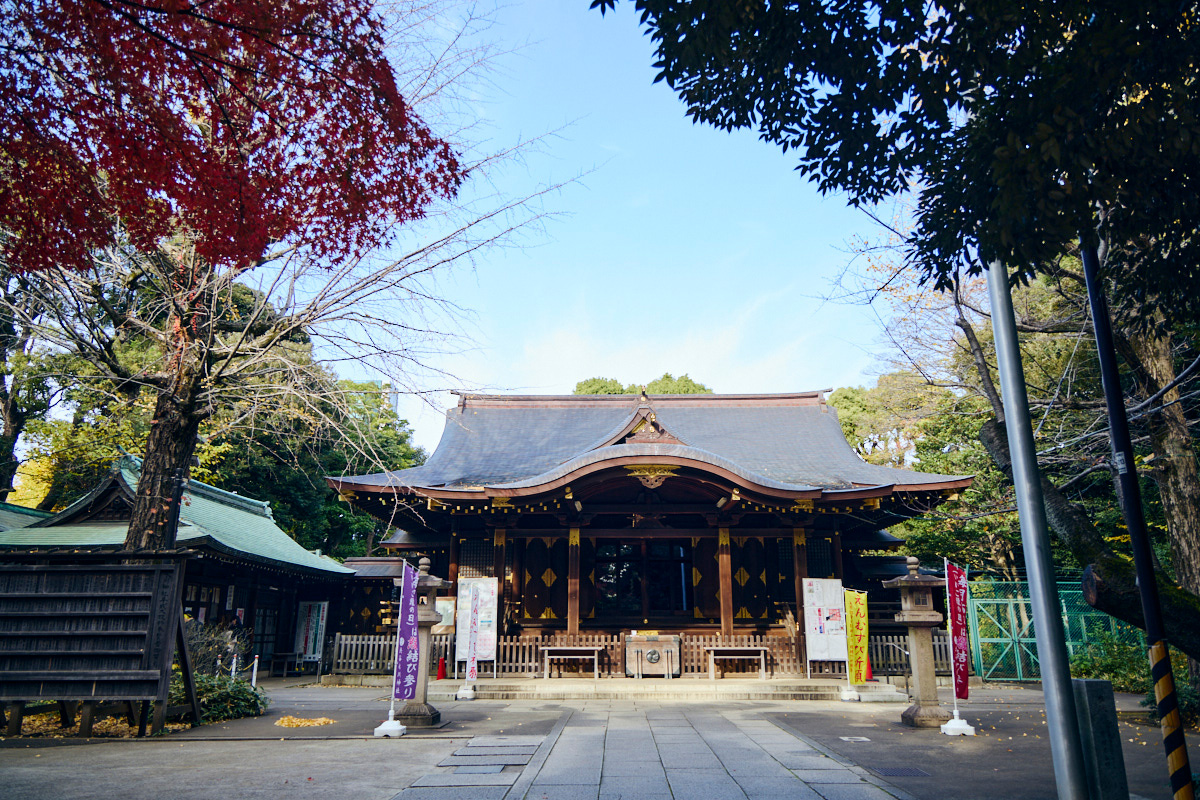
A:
x: 241, y: 122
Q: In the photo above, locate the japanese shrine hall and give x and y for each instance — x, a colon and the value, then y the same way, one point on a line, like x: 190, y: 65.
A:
x: 684, y: 514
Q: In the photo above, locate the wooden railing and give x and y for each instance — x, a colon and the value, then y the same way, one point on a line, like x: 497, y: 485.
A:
x: 889, y: 654
x: 521, y: 655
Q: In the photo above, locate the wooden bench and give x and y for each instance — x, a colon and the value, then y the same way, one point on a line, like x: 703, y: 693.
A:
x: 736, y: 651
x: 572, y: 651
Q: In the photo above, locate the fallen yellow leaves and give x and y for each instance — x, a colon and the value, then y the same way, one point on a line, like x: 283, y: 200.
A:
x: 301, y: 722
x: 47, y: 726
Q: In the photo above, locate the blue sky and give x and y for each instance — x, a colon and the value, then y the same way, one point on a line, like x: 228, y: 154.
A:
x: 681, y: 248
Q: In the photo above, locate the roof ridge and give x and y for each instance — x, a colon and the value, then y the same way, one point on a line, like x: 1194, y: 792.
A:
x: 33, y: 512
x: 198, y: 487
x: 260, y: 507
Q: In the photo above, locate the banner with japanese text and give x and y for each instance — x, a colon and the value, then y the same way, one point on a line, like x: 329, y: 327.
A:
x: 960, y: 646
x: 856, y: 636
x: 473, y: 637
x: 408, y: 652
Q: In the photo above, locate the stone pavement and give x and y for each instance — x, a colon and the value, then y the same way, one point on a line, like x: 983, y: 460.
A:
x: 621, y: 752
x: 593, y: 749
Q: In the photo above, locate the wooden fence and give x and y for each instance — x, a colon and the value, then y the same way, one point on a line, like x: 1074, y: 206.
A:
x: 889, y: 654
x: 521, y: 655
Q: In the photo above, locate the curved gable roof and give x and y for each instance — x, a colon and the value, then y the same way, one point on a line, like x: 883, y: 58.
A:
x: 790, y: 442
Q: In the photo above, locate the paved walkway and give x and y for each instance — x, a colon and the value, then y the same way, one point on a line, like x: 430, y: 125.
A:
x: 598, y: 750
x: 657, y: 753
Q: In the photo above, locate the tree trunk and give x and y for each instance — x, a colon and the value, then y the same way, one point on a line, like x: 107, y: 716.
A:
x: 1175, y: 466
x: 169, y: 447
x: 1109, y: 581
x: 8, y: 463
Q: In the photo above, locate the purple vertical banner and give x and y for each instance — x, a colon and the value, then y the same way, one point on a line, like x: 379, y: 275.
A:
x: 960, y: 645
x: 408, y: 653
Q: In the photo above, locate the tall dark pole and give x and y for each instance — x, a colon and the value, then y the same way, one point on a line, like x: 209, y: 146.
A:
x: 1066, y: 749
x: 1131, y: 507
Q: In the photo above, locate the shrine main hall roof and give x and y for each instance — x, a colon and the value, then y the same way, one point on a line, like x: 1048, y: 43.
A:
x: 782, y: 445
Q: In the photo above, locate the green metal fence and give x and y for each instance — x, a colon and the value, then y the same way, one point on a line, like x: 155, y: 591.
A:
x: 1002, y: 635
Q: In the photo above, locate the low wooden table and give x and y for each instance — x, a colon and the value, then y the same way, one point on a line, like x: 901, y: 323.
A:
x: 572, y: 651
x: 736, y: 651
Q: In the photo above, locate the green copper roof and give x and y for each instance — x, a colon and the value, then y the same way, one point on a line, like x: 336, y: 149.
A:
x: 18, y: 516
x: 225, y: 521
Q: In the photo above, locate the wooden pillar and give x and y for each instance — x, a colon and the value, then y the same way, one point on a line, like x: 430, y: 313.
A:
x: 518, y: 575
x: 573, y: 582
x: 799, y: 573
x: 725, y: 569
x: 452, y: 571
x: 835, y: 544
x: 498, y: 541
x: 799, y: 570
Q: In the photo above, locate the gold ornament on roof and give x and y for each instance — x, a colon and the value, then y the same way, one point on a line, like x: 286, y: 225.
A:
x: 651, y: 475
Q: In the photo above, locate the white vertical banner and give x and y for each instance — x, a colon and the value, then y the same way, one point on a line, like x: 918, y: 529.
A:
x: 825, y: 619
x: 473, y: 637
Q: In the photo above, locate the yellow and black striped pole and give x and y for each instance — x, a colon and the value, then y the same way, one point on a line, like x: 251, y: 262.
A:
x: 1131, y: 508
x: 1172, y: 727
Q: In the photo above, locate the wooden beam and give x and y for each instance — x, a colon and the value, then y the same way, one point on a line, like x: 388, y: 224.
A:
x: 573, y: 582
x: 498, y: 542
x: 835, y: 544
x: 725, y: 567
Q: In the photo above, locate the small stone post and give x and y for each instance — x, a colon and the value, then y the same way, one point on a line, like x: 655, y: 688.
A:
x: 916, y: 611
x: 418, y: 713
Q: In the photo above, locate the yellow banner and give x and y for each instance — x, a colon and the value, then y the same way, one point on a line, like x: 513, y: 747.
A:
x: 856, y: 635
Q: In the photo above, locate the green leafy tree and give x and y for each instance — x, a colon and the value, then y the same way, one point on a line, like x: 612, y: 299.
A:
x: 1017, y: 123
x: 286, y: 464
x: 665, y: 384
x: 599, y: 386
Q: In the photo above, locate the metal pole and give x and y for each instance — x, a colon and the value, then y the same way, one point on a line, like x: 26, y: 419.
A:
x: 1131, y: 507
x: 1065, y: 748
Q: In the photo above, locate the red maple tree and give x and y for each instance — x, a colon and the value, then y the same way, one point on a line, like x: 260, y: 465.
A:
x: 241, y: 122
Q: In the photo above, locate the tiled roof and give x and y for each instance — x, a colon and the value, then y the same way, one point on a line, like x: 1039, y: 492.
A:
x: 786, y: 442
x: 18, y: 516
x: 227, y: 522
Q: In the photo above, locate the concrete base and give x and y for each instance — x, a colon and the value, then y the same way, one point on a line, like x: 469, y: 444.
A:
x: 466, y: 691
x: 419, y: 715
x: 849, y: 695
x: 958, y: 727
x: 391, y: 729
x: 928, y: 716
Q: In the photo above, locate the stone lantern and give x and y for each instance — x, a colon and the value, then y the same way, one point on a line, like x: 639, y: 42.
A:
x: 916, y: 611
x: 418, y: 713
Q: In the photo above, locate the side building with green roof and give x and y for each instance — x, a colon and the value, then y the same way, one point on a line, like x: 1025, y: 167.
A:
x: 246, y: 572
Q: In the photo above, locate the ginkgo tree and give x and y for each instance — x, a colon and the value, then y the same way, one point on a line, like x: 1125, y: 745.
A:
x: 194, y: 191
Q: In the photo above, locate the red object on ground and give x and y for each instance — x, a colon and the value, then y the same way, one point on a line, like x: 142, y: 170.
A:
x: 870, y: 677
x: 441, y: 668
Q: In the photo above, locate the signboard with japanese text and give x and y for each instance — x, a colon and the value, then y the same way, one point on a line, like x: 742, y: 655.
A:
x: 856, y: 636
x: 824, y: 619
x: 310, y: 630
x: 960, y: 646
x: 485, y: 646
x: 408, y: 653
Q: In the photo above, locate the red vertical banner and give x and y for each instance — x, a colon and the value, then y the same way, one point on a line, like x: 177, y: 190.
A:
x: 960, y: 645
